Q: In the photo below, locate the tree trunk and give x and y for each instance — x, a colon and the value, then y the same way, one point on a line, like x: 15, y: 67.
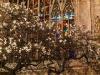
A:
x: 12, y: 73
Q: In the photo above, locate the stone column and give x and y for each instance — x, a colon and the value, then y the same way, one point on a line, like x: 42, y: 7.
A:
x: 92, y: 15
x: 84, y: 14
x: 17, y: 1
x: 96, y: 11
x: 28, y: 4
x: 38, y: 8
x: 76, y: 7
x: 97, y: 7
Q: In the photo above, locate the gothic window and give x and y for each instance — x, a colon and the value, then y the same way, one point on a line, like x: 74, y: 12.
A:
x: 69, y: 11
x: 15, y: 1
x: 56, y: 13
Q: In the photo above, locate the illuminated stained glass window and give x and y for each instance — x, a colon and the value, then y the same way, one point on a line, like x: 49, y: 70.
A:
x: 68, y: 10
x: 56, y: 11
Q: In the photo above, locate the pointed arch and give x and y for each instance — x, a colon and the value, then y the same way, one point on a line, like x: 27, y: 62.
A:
x: 56, y: 9
x: 68, y: 9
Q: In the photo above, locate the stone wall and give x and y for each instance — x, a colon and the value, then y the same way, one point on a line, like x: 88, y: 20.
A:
x: 83, y: 13
x: 97, y: 7
x: 86, y: 14
x: 1, y: 1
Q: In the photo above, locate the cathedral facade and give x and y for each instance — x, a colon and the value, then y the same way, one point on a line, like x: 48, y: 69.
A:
x: 87, y: 12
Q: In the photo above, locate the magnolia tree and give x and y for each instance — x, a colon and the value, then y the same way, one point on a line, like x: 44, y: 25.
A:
x: 25, y: 41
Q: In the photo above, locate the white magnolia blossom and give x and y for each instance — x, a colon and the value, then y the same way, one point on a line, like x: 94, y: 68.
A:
x: 14, y: 44
x: 8, y: 49
x: 43, y: 48
x: 14, y: 27
x: 0, y: 51
x: 64, y: 41
x: 49, y: 38
x: 36, y: 44
x: 20, y: 51
x: 21, y: 22
x: 27, y: 22
x: 14, y: 21
x: 98, y: 51
x: 5, y: 24
x: 60, y: 41
x: 25, y: 47
x: 33, y: 25
x: 0, y: 15
x: 4, y: 56
x: 1, y: 26
x: 53, y: 41
x: 54, y: 30
x: 10, y: 39
x: 25, y: 19
x: 29, y: 44
x: 17, y: 7
x: 28, y: 50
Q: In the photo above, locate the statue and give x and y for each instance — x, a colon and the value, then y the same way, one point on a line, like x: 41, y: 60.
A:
x: 97, y: 28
